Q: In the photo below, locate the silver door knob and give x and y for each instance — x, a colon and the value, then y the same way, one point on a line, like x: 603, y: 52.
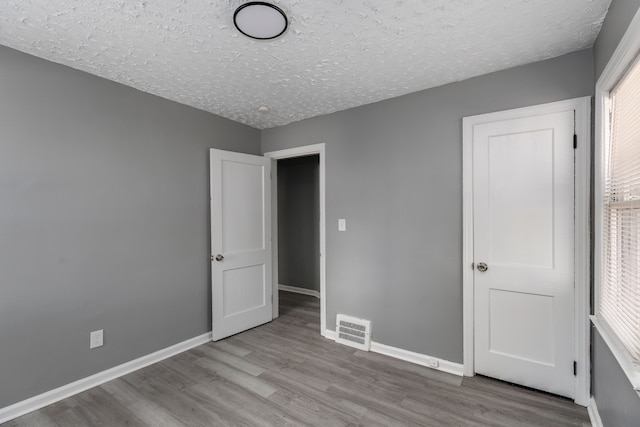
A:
x: 219, y: 257
x: 482, y: 267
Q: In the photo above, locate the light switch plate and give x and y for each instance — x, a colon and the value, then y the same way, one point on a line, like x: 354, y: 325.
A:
x: 96, y: 338
x: 342, y: 225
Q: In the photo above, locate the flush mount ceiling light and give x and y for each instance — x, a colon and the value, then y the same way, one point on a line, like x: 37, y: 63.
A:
x: 260, y: 20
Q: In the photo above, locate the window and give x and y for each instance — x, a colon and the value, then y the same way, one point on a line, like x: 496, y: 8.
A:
x: 619, y: 293
x: 617, y: 204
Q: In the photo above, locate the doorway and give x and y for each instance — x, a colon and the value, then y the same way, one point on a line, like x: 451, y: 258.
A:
x: 526, y: 246
x: 303, y: 266
x: 298, y: 225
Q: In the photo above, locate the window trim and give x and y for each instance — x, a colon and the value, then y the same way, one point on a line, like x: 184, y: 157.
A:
x: 623, y: 57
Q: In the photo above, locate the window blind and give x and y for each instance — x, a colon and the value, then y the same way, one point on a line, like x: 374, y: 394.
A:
x: 619, y: 304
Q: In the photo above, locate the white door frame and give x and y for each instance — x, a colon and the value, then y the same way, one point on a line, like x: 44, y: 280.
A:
x: 306, y: 150
x: 582, y: 180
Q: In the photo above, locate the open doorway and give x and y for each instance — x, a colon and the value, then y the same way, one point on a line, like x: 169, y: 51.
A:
x: 298, y: 224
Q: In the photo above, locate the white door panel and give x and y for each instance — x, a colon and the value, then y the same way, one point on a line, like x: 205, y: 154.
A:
x: 533, y: 314
x: 523, y: 230
x: 243, y: 227
x: 241, y: 235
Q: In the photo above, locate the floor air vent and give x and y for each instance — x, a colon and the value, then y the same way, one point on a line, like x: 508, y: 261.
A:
x: 353, y: 332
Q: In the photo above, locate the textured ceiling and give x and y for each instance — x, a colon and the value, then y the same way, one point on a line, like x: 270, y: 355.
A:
x: 336, y: 54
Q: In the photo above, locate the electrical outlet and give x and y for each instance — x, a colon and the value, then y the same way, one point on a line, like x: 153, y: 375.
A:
x: 96, y: 338
x: 433, y: 363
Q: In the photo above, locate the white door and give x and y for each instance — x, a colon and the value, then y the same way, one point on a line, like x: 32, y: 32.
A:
x: 240, y: 242
x: 523, y: 222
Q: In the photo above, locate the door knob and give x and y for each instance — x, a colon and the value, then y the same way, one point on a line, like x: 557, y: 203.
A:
x: 219, y: 257
x: 482, y: 267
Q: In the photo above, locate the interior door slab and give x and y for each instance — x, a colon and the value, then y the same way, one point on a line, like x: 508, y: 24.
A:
x: 523, y: 197
x: 241, y: 249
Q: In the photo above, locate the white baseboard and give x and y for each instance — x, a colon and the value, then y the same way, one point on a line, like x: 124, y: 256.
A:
x: 410, y: 356
x: 418, y: 358
x: 594, y: 415
x: 303, y: 291
x: 52, y: 396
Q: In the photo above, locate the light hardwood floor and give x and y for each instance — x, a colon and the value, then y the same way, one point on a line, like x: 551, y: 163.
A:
x: 285, y: 374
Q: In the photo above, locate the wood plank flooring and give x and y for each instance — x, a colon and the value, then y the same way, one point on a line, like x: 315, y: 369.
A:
x: 285, y: 374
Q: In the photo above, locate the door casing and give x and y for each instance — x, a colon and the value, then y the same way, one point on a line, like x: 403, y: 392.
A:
x: 306, y: 150
x: 582, y: 179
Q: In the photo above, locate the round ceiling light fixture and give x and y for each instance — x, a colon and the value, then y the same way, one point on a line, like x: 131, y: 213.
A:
x: 260, y: 20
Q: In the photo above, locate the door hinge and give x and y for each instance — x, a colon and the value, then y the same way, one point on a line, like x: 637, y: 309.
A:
x: 575, y: 368
x: 575, y: 141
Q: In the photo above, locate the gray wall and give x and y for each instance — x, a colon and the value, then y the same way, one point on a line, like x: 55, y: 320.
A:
x: 618, y: 403
x: 394, y: 171
x: 104, y: 219
x: 299, y: 222
x: 618, y: 18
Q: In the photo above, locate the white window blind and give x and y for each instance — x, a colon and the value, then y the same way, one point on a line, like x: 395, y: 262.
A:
x: 619, y: 303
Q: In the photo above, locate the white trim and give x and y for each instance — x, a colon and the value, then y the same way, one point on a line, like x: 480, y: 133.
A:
x: 582, y: 108
x: 297, y: 290
x: 594, y: 415
x: 418, y: 358
x: 298, y: 152
x: 582, y: 251
x: 618, y: 350
x: 622, y: 57
x: 52, y: 396
x: 409, y: 356
x: 468, y: 342
x: 275, y: 297
x: 330, y: 334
